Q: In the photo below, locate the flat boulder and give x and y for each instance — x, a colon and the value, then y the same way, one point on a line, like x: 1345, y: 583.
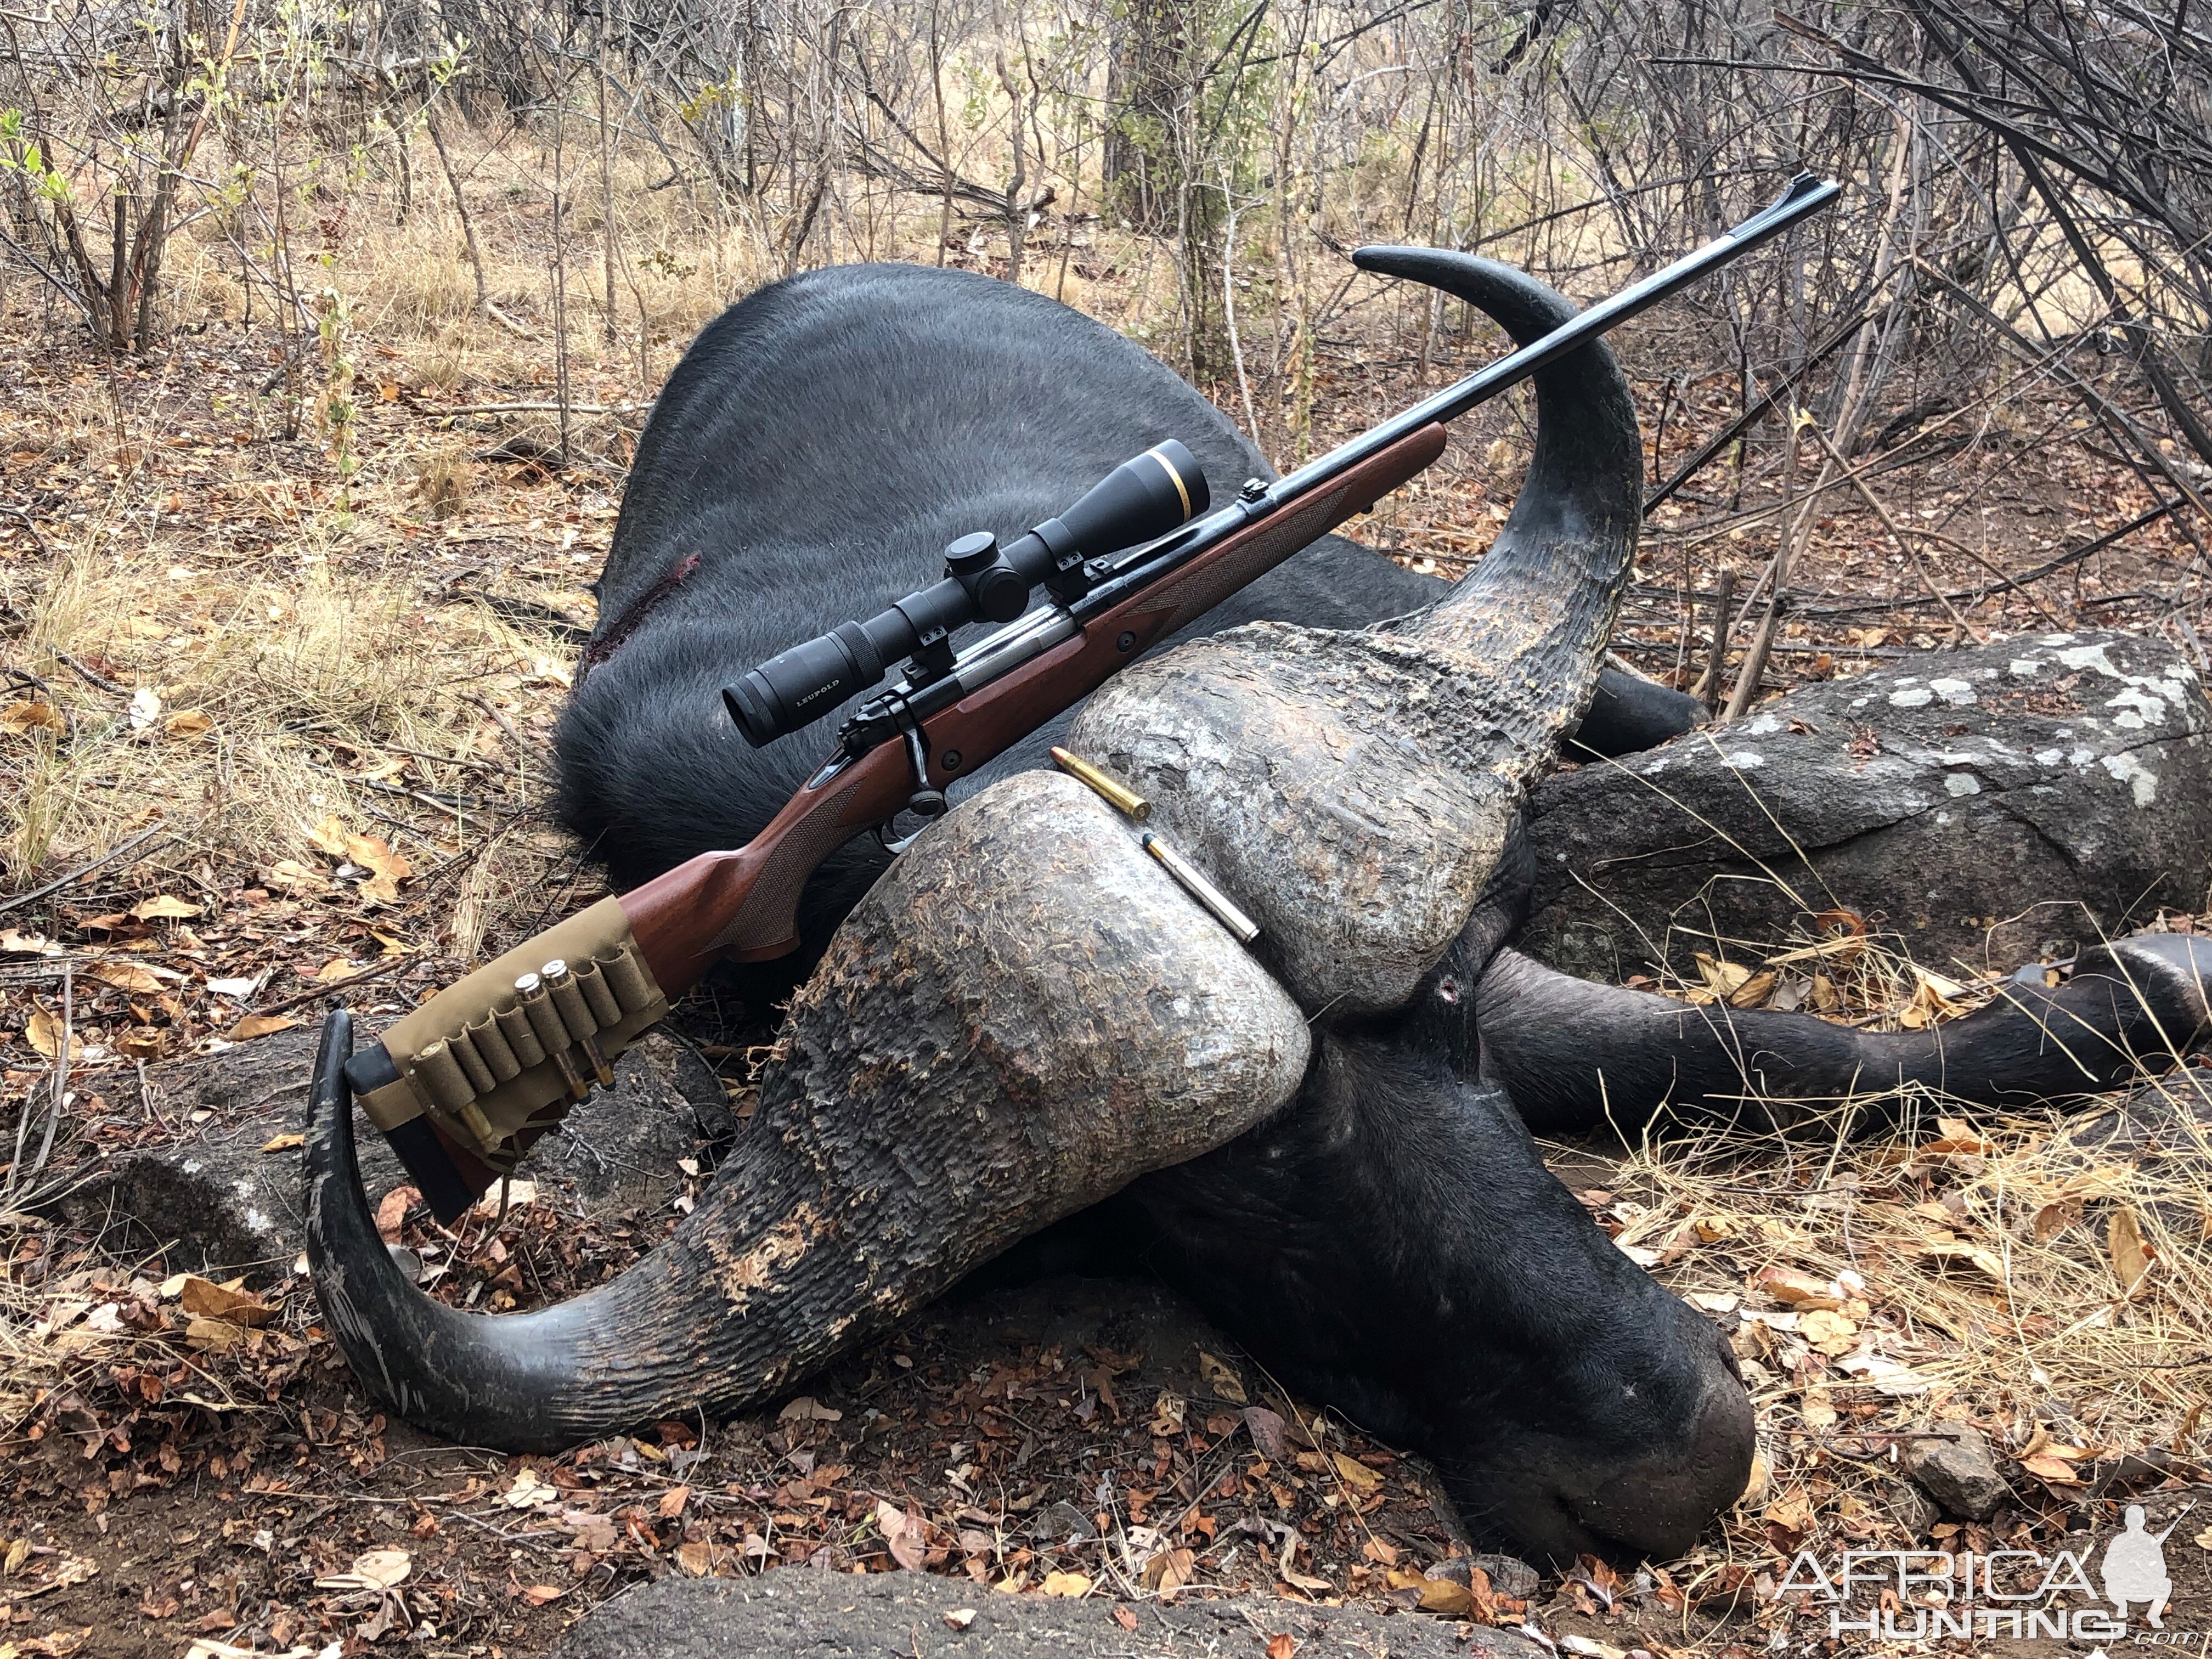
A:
x: 225, y: 1192
x: 1976, y: 803
x: 825, y: 1615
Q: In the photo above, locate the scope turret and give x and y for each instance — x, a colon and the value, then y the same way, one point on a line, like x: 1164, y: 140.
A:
x: 1143, y: 498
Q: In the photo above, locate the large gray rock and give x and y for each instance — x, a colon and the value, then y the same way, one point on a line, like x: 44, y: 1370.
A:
x: 1979, y: 802
x: 824, y: 1615
x: 214, y: 1198
x: 1952, y: 1464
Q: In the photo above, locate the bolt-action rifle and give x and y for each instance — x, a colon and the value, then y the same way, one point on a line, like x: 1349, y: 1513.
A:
x: 463, y: 1084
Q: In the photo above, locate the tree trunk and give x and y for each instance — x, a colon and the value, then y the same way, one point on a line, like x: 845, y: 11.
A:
x: 1145, y: 96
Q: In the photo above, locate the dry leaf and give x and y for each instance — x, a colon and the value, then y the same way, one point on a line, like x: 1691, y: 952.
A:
x: 1169, y: 1571
x: 29, y: 714
x: 213, y: 1301
x: 1798, y: 1289
x: 960, y: 1617
x: 1167, y: 1413
x: 1355, y: 1474
x: 2131, y: 1258
x: 330, y: 836
x: 902, y: 1532
x: 127, y: 976
x: 145, y: 707
x: 516, y: 1194
x: 1890, y: 1376
x: 1127, y: 1620
x: 186, y: 724
x: 807, y: 1409
x: 1956, y: 1137
x: 164, y: 907
x: 214, y: 1335
x: 13, y: 943
x: 695, y: 1557
x: 256, y: 1025
x: 295, y: 877
x: 2054, y: 1470
x: 1754, y: 991
x: 43, y: 1032
x: 1281, y: 1646
x: 391, y: 1211
x: 1445, y: 1598
x: 378, y: 1569
x: 1072, y: 1585
x: 1722, y: 979
x: 1225, y: 1381
x: 1791, y: 1512
x: 538, y: 1595
x: 672, y: 1502
x: 530, y: 1490
x: 283, y: 1142
x: 1829, y: 1332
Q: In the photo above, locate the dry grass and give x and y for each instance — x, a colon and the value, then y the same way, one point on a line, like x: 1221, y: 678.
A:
x: 246, y: 685
x: 2043, y: 1279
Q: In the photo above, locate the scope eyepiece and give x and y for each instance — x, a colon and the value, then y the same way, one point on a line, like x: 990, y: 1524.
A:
x: 797, y: 686
x: 1142, y: 499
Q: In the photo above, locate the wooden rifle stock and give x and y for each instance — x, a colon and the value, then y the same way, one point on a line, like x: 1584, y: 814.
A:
x: 743, y: 904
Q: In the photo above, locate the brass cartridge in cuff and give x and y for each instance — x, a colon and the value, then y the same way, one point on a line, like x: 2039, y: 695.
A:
x: 552, y: 1036
x: 576, y: 1014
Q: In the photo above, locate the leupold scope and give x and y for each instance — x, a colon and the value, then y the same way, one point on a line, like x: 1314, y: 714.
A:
x: 1138, y: 501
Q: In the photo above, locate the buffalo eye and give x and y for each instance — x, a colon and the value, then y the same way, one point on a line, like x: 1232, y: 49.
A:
x: 1448, y: 989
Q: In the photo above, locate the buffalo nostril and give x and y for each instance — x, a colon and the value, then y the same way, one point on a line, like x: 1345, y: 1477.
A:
x: 1660, y: 1504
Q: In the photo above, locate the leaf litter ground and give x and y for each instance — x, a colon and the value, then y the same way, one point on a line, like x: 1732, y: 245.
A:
x: 325, y: 711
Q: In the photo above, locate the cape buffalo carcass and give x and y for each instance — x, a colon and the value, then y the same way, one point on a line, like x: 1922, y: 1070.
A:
x: 1382, y: 1234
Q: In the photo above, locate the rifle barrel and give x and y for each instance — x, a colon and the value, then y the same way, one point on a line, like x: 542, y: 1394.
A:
x: 1806, y: 196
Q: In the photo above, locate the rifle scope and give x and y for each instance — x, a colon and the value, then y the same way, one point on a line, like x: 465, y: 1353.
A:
x: 1141, y: 499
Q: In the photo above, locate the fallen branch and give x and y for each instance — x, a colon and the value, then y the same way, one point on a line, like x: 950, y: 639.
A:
x: 82, y: 870
x: 537, y: 408
x: 100, y: 681
x: 290, y: 1003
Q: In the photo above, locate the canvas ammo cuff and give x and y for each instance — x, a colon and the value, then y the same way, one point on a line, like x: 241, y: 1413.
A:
x: 481, y: 1060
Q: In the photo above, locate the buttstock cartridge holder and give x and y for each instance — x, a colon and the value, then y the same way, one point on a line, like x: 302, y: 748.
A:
x: 498, y: 1057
